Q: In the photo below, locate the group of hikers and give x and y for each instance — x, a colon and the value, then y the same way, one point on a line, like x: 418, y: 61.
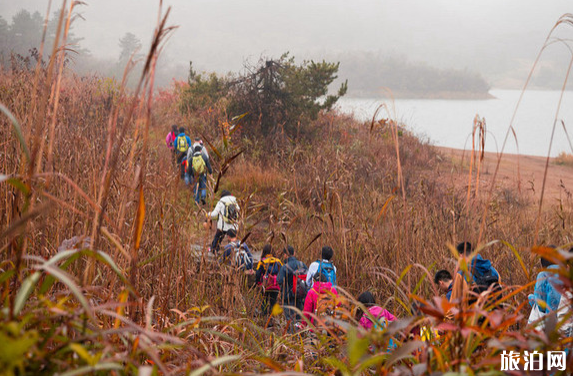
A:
x: 312, y: 290
x: 192, y: 161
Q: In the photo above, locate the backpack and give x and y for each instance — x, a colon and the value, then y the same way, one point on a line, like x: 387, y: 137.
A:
x: 270, y: 282
x: 231, y: 212
x: 173, y: 137
x: 198, y: 163
x: 242, y: 259
x: 182, y: 144
x: 486, y: 281
x: 328, y: 270
x: 298, y: 278
x: 331, y: 308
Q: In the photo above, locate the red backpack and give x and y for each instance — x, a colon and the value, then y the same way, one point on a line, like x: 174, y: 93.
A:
x: 270, y: 282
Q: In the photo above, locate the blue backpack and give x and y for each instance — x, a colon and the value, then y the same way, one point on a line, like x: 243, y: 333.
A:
x: 327, y: 269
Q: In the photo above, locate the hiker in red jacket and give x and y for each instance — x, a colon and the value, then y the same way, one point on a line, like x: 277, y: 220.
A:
x: 320, y: 286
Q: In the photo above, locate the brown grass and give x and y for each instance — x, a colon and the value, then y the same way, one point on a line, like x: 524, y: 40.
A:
x: 99, y: 169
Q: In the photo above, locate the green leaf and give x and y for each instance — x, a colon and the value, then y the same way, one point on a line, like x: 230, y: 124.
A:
x: 83, y: 353
x: 6, y: 275
x: 24, y: 293
x: 372, y: 361
x: 17, y: 183
x: 404, y: 272
x: 518, y: 257
x: 64, y: 278
x: 357, y: 347
x: 91, y: 369
x: 17, y: 129
x: 404, y: 351
x: 217, y: 362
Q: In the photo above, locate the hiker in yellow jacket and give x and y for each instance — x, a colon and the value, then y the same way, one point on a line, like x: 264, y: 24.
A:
x: 267, y: 271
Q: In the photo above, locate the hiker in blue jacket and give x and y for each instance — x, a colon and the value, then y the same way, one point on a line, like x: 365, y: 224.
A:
x: 546, y: 294
x: 182, y: 143
x: 324, y: 266
x: 293, y: 288
x: 479, y: 266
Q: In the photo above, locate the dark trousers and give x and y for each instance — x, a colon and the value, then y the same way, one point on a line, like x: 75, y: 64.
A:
x: 219, y: 235
x: 200, y: 188
x: 180, y: 157
x: 269, y: 300
x: 291, y: 314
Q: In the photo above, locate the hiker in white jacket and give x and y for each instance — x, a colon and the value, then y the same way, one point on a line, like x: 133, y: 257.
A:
x: 226, y: 213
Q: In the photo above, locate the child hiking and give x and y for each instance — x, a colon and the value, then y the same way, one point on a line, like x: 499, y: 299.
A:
x: 380, y: 315
x: 226, y: 213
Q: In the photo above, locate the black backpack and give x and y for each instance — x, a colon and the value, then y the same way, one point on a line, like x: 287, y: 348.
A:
x: 483, y: 282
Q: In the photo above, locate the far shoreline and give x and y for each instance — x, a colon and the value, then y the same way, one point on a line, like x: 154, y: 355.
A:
x: 445, y: 95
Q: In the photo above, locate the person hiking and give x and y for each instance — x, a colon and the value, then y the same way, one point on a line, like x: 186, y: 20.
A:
x: 482, y: 275
x: 323, y: 265
x: 546, y: 296
x: 181, y: 144
x: 170, y: 138
x: 380, y: 315
x: 291, y: 278
x: 198, y: 142
x: 565, y: 310
x: 266, y: 277
x: 321, y: 289
x: 237, y: 254
x: 377, y: 317
x: 226, y: 213
x: 445, y: 282
x: 197, y: 168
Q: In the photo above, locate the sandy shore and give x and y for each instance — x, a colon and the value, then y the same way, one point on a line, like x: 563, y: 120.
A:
x: 523, y: 172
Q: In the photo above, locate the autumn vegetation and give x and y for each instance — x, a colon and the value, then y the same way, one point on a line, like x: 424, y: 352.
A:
x: 104, y: 267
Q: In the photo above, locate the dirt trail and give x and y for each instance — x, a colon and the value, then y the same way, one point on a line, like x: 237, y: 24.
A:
x: 524, y: 171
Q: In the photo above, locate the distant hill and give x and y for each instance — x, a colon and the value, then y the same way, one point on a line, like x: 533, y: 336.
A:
x: 371, y: 74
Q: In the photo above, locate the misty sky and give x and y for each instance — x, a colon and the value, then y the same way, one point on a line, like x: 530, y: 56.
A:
x: 219, y: 35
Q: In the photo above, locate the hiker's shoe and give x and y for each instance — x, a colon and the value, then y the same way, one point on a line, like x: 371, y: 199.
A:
x: 203, y: 201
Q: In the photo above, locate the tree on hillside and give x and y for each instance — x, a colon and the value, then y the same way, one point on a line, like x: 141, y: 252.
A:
x: 4, y: 38
x: 25, y: 32
x: 280, y: 94
x: 204, y: 90
x: 128, y: 44
x: 72, y: 43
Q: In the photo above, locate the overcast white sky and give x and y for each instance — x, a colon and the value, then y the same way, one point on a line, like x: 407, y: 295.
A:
x: 221, y: 34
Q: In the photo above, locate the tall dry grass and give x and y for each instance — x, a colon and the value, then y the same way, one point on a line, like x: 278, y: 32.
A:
x: 84, y: 159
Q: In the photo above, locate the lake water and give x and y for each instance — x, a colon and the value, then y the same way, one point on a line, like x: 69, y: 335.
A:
x: 449, y: 122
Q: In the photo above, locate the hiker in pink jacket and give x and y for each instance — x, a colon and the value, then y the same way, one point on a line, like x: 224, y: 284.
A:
x: 170, y: 139
x: 320, y: 286
x: 379, y: 313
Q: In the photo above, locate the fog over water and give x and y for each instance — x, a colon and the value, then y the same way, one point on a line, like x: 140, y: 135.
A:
x: 498, y: 39
x: 449, y: 123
